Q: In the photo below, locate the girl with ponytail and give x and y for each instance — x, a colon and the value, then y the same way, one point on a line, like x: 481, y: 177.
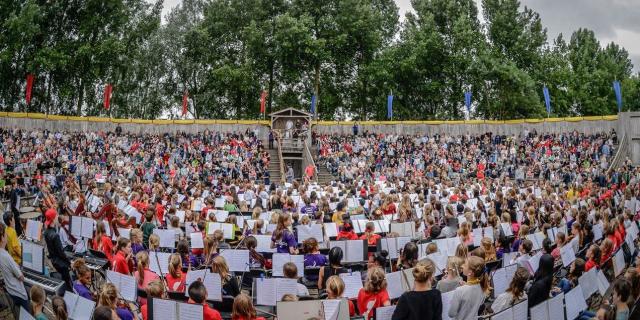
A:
x: 468, y: 298
x: 423, y: 302
x: 144, y: 275
x: 59, y: 308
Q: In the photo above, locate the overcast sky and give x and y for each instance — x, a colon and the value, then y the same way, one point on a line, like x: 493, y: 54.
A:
x: 612, y: 20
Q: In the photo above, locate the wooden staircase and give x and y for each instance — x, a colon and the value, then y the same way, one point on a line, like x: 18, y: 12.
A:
x: 324, y: 175
x: 274, y: 165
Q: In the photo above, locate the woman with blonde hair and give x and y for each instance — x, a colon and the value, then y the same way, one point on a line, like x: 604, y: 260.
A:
x: 109, y: 298
x: 489, y: 249
x: 176, y: 279
x: 230, y: 284
x: 423, y: 302
x: 144, y: 275
x: 452, y: 280
x: 465, y: 234
x: 243, y: 309
x: 335, y: 289
x: 154, y: 242
x: 468, y: 298
x: 374, y: 293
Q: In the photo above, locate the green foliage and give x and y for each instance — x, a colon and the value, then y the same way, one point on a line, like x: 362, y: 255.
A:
x: 350, y: 53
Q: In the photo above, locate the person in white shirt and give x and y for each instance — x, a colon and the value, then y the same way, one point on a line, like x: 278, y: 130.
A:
x: 525, y: 254
x: 514, y: 294
x: 13, y: 277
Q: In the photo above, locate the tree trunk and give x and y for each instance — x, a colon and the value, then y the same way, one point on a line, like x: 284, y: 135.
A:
x: 80, y: 99
x: 270, y: 93
x: 316, y: 87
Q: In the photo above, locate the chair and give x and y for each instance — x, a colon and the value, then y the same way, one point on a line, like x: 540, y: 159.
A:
x: 178, y: 296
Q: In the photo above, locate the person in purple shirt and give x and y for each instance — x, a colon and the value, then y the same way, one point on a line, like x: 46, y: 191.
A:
x: 309, y: 208
x: 83, y: 273
x: 283, y: 239
x: 313, y: 258
x: 189, y: 261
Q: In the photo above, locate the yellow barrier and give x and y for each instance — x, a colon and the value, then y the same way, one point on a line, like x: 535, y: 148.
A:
x: 323, y: 123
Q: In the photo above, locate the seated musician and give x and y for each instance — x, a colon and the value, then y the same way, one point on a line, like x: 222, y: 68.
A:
x: 109, y: 298
x: 176, y: 279
x: 198, y: 295
x: 154, y: 289
x: 369, y: 234
x: 346, y: 231
x: 123, y: 259
x: 135, y: 235
x: 256, y: 259
x: 189, y: 261
x: 334, y: 267
x: 230, y: 284
x: 84, y: 277
x: 243, y: 308
x: 144, y: 275
x: 101, y: 241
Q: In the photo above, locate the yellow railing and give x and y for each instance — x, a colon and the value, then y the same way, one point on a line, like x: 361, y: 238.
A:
x: 42, y: 116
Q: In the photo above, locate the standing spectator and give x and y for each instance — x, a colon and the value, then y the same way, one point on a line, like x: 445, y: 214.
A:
x: 13, y: 245
x: 355, y: 128
x: 54, y: 246
x: 271, y: 138
x: 14, y: 202
x: 13, y: 278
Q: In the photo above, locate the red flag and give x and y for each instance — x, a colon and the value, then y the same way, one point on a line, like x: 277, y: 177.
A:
x: 263, y: 100
x: 185, y: 102
x: 30, y: 79
x: 107, y: 96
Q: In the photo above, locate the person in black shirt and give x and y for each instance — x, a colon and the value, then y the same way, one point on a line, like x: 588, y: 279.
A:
x: 14, y: 202
x: 542, y: 281
x: 54, y: 246
x: 424, y: 302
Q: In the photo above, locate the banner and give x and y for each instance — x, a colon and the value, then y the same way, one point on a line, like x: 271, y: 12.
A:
x: 30, y: 79
x: 390, y: 107
x: 263, y: 101
x: 313, y: 105
x: 618, y: 90
x: 185, y: 102
x: 107, y: 96
x: 547, y: 99
x: 467, y: 101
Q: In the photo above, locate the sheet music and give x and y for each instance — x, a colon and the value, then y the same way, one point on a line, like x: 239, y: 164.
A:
x: 500, y: 283
x: 311, y: 231
x: 167, y: 237
x: 597, y: 231
x: 391, y: 246
x: 286, y: 286
x: 219, y: 202
x: 540, y: 312
x: 76, y: 226
x: 237, y: 260
x: 187, y: 311
x: 34, y: 230
x: 603, y: 283
x: 477, y: 237
x: 331, y: 308
x: 567, y: 254
x: 196, y: 240
x: 163, y: 259
x: 355, y: 251
x: 440, y: 260
x: 574, y: 302
x: 25, y: 315
x: 193, y: 276
x: 213, y: 283
x: 331, y: 229
x: 352, y: 284
x: 534, y: 262
x: 385, y: 313
x: 506, y: 228
x: 78, y: 307
x: 446, y: 303
x: 618, y: 262
x: 32, y: 256
x: 227, y: 229
x: 556, y: 307
x: 488, y: 232
x: 589, y: 283
x: 126, y: 285
x: 264, y: 243
x: 124, y: 233
x: 342, y: 244
x: 221, y: 215
x: 164, y: 309
x: 283, y: 258
x: 520, y: 310
x: 266, y: 292
x: 87, y: 228
x: 180, y: 214
x: 506, y: 314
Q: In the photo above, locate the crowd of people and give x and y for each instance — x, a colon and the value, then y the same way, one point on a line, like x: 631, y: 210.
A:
x: 475, y: 206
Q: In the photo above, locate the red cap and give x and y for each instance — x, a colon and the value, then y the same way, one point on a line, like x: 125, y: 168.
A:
x: 49, y: 216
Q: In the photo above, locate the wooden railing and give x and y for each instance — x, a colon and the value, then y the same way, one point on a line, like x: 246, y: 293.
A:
x: 621, y: 154
x: 308, y: 159
x: 278, y: 137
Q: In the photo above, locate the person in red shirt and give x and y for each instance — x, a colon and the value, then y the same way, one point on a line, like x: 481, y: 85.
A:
x: 176, y: 279
x: 198, y: 295
x: 154, y: 289
x: 123, y: 259
x: 369, y: 235
x: 606, y: 248
x: 374, y: 294
x: 101, y: 242
x: 243, y: 309
x: 159, y: 211
x: 593, y: 257
x: 346, y: 232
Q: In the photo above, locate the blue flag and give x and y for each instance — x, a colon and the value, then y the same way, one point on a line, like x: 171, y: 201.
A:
x: 390, y: 107
x: 467, y: 101
x: 547, y: 99
x: 313, y: 105
x: 618, y: 90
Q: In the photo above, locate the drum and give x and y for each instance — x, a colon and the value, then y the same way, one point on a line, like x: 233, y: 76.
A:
x: 30, y: 215
x: 27, y: 209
